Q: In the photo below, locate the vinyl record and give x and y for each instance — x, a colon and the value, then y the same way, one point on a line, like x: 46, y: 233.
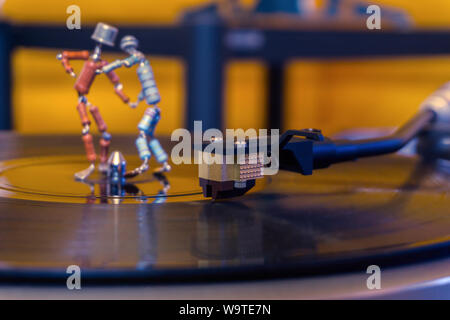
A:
x: 381, y: 211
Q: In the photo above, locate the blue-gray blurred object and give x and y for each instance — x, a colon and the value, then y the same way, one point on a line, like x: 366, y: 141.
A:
x: 332, y: 9
x: 286, y: 6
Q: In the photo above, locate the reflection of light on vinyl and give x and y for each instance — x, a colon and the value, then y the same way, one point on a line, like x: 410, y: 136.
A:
x: 51, y: 179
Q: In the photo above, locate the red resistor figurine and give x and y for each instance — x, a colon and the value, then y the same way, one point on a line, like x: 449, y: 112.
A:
x: 103, y: 34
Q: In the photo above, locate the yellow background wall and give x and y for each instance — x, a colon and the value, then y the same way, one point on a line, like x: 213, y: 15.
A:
x: 332, y: 95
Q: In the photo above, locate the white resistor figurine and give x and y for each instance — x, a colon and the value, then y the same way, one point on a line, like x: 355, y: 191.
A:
x: 146, y: 143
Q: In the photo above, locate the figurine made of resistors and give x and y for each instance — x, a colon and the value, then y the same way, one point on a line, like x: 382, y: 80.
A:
x: 146, y: 143
x: 103, y: 34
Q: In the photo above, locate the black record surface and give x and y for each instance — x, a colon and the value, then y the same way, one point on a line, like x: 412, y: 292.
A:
x: 379, y: 211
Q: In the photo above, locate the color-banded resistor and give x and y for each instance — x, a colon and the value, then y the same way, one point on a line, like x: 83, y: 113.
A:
x: 149, y: 90
x: 142, y: 146
x: 98, y: 118
x: 149, y: 120
x: 158, y: 151
x: 112, y: 66
x: 86, y: 77
x: 89, y: 146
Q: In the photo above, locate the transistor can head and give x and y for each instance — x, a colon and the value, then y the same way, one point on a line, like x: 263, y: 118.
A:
x: 129, y: 42
x: 105, y: 34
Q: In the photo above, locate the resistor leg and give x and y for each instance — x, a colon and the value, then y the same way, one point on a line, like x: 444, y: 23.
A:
x: 101, y: 125
x: 142, y: 146
x: 89, y: 147
x: 146, y: 127
x: 144, y: 154
x: 160, y: 155
x: 83, y: 114
x: 87, y: 140
x: 149, y: 121
x: 105, y: 140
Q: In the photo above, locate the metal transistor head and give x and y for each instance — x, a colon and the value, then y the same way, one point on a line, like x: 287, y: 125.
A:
x: 129, y: 42
x: 105, y: 34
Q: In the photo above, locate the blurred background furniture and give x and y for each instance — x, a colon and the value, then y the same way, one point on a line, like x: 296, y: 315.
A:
x: 270, y: 36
